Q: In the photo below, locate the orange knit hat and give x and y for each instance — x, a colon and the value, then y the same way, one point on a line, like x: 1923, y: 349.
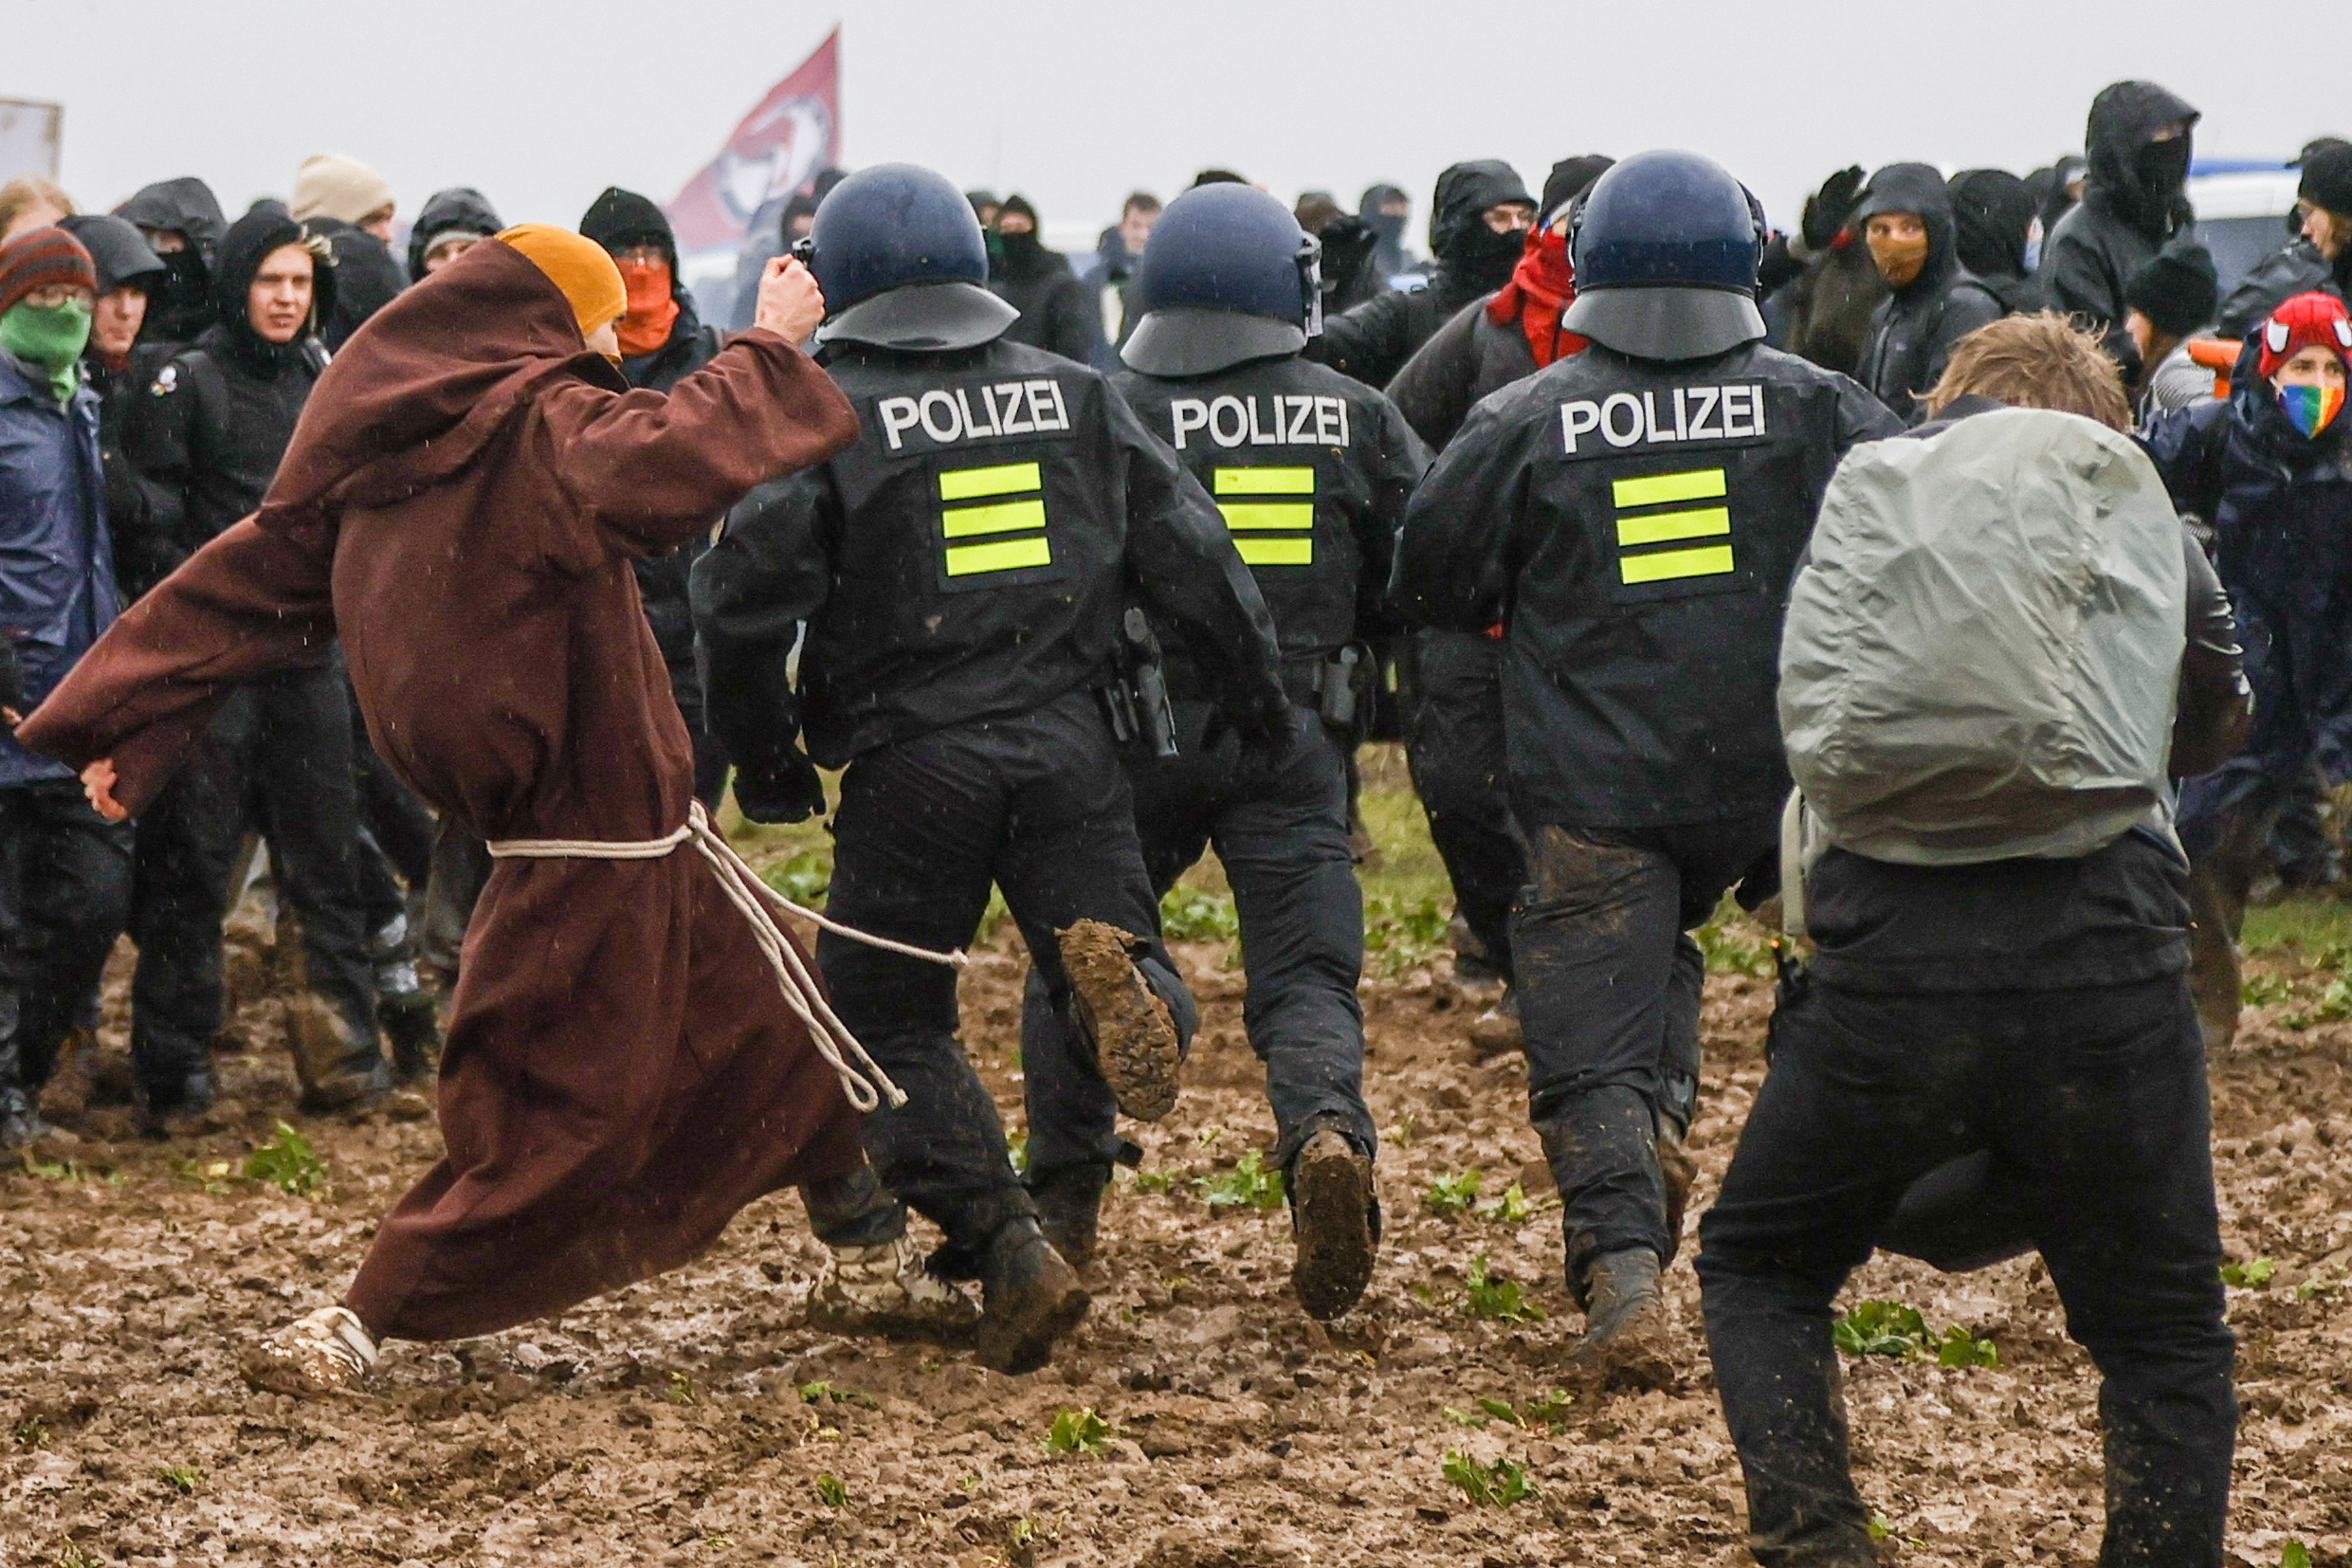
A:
x: 577, y: 265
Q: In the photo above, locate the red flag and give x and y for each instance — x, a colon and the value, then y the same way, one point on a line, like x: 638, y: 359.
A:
x: 778, y: 150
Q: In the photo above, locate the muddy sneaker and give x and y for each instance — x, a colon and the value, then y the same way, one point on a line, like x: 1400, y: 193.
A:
x: 883, y: 1290
x: 1134, y: 1039
x: 1680, y: 1171
x: 329, y: 1352
x: 1332, y: 1225
x: 1069, y: 1208
x: 1624, y: 1344
x: 1033, y: 1299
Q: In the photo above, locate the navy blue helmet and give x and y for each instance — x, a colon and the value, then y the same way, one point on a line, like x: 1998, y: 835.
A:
x: 1667, y: 247
x: 1227, y: 277
x: 900, y: 257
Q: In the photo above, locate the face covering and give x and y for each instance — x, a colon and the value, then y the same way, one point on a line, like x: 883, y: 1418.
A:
x: 50, y: 337
x: 1899, y: 260
x: 2312, y: 410
x: 1539, y: 289
x: 1483, y: 259
x: 653, y: 307
x: 2163, y: 167
x: 183, y: 287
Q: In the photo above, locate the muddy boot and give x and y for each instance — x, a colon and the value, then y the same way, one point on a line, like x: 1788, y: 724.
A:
x: 1033, y: 1299
x: 415, y: 1030
x: 884, y: 1291
x: 1335, y: 1224
x: 1495, y: 1031
x: 1123, y: 1018
x: 1070, y: 1206
x: 1679, y: 1171
x: 340, y: 1071
x: 175, y: 1107
x: 1624, y: 1344
x: 20, y: 1125
x: 328, y: 1352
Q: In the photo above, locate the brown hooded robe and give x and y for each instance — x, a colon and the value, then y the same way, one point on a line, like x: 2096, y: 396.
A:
x: 461, y: 505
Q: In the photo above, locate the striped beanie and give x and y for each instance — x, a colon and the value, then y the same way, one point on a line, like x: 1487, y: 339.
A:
x: 39, y: 258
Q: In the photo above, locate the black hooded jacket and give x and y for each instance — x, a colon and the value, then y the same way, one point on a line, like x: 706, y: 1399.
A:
x: 460, y: 207
x: 1389, y: 259
x: 1057, y: 312
x: 2134, y: 199
x: 181, y: 304
x: 1372, y: 342
x: 1913, y: 329
x: 1992, y: 219
x: 208, y: 431
x: 2298, y: 268
x: 123, y: 258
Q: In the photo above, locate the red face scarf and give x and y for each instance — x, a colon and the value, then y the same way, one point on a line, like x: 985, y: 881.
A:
x: 1540, y: 287
x: 644, y: 326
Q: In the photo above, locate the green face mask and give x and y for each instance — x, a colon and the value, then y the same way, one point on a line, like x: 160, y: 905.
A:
x: 52, y: 337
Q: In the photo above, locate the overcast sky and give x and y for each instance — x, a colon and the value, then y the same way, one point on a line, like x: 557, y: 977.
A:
x: 541, y: 104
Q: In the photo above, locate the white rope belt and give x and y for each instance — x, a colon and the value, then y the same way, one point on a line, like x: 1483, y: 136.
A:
x: 864, y: 1082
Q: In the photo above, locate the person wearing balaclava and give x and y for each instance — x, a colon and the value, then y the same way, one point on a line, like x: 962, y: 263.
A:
x: 1991, y: 225
x: 64, y: 871
x: 1057, y: 311
x: 350, y: 206
x: 662, y: 339
x: 1385, y: 210
x: 180, y: 220
x: 2135, y: 199
x: 1932, y: 302
x: 450, y: 223
x: 1478, y: 226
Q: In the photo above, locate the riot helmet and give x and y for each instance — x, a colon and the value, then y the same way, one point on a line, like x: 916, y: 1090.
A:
x: 900, y: 260
x: 1227, y: 277
x: 1666, y: 246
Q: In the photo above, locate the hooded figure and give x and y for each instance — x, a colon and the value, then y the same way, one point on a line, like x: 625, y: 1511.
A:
x: 1390, y: 257
x: 1933, y: 303
x: 124, y: 261
x: 333, y: 196
x: 622, y: 1074
x: 2300, y: 266
x: 1372, y: 342
x: 1057, y: 313
x: 460, y: 210
x: 2134, y: 199
x: 181, y: 221
x: 1993, y: 223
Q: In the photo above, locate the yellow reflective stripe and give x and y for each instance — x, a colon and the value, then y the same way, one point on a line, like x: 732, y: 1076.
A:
x: 1265, y: 482
x: 1657, y: 489
x: 1268, y: 514
x: 1265, y: 551
x: 963, y: 561
x: 1002, y: 518
x: 1658, y: 527
x: 1712, y: 561
x: 1005, y: 479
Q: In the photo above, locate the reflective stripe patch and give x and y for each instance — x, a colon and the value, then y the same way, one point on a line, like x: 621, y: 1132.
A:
x: 1005, y: 479
x: 1002, y: 518
x: 963, y: 561
x: 1657, y: 489
x: 1283, y: 552
x: 1268, y: 514
x: 1265, y: 482
x: 1713, y: 560
x: 1658, y: 527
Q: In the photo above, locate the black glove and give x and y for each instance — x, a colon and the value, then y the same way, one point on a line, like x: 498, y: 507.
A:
x: 1268, y: 728
x: 1826, y: 209
x: 785, y: 788
x: 1348, y: 243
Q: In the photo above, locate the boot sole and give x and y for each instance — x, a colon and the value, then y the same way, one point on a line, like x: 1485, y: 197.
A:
x: 1022, y: 1340
x: 1135, y: 1040
x: 1332, y: 1208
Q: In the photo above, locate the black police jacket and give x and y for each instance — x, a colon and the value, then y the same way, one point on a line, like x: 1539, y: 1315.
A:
x: 970, y: 555
x: 1311, y: 472
x: 1634, y: 525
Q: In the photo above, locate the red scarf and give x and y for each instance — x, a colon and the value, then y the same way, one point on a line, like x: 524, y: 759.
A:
x: 653, y: 307
x: 1542, y: 286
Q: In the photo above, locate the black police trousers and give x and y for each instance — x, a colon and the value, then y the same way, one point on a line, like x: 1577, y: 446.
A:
x: 64, y: 894
x: 1453, y: 747
x: 283, y: 745
x: 1608, y: 982
x: 1282, y: 837
x: 2095, y: 1101
x: 1036, y: 804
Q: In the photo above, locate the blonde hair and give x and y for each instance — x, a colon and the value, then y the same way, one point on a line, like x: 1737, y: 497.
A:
x: 2044, y: 360
x: 24, y: 191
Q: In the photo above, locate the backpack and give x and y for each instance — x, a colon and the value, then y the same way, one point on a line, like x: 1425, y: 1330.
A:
x: 1982, y: 646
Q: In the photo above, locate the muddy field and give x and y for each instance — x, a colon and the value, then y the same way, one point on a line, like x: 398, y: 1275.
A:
x: 691, y: 1420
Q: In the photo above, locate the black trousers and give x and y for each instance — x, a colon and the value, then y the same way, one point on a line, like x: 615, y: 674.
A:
x: 284, y: 741
x: 1453, y: 747
x: 1608, y: 982
x: 1036, y: 805
x: 64, y: 895
x: 2093, y: 1099
x: 1282, y: 837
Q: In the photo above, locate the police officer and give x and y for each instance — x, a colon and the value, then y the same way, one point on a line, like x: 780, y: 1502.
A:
x: 1310, y: 470
x: 961, y: 572
x: 1633, y: 515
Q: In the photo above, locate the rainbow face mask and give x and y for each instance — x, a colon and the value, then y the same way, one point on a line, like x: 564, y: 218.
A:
x: 2312, y: 410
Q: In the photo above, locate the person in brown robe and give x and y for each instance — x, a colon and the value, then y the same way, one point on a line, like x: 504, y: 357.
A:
x: 461, y: 505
